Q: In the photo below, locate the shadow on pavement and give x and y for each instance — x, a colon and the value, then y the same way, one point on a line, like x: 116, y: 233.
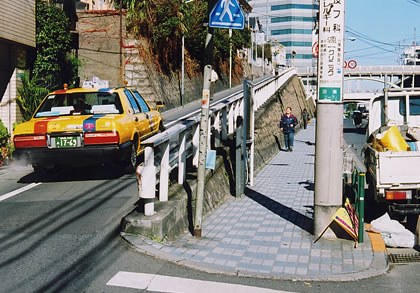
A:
x: 105, y: 172
x: 281, y: 210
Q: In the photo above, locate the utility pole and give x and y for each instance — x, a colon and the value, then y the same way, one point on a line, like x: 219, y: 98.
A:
x: 204, y: 124
x: 329, y: 123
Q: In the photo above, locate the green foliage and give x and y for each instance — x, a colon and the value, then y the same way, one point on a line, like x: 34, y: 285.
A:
x: 4, y: 135
x: 53, y: 63
x: 6, y: 147
x: 30, y: 95
x: 164, y: 22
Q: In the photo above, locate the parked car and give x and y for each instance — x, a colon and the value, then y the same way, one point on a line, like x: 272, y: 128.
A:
x: 87, y: 126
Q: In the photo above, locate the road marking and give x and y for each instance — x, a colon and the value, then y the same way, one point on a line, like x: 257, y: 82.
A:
x: 17, y: 191
x: 169, y: 284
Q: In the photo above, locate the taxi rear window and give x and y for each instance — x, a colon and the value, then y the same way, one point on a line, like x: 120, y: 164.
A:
x: 80, y: 104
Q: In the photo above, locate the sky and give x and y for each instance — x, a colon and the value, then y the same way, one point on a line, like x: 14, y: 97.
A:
x: 382, y: 29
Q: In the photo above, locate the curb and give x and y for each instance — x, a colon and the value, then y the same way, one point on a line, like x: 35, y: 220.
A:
x: 378, y: 266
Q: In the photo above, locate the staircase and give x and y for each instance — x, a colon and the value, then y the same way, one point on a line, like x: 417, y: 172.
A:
x: 136, y: 73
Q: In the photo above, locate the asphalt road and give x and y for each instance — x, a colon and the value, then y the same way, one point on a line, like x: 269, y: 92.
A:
x: 62, y: 235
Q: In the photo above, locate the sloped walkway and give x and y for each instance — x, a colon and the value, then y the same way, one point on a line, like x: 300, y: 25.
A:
x: 268, y: 231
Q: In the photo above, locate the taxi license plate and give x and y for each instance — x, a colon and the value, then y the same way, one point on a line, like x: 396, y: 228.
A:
x: 66, y: 142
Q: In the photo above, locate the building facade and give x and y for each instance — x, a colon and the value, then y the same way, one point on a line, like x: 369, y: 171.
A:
x: 17, y: 37
x: 290, y: 23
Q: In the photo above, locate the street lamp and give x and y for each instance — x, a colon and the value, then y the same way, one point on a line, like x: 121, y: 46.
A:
x: 183, y: 61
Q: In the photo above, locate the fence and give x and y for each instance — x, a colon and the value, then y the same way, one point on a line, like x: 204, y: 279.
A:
x: 170, y: 149
x: 357, y: 185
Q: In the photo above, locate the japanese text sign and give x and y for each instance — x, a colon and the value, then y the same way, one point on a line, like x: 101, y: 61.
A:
x: 331, y: 50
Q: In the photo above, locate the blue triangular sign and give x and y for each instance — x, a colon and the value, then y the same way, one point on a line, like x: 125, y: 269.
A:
x: 227, y: 14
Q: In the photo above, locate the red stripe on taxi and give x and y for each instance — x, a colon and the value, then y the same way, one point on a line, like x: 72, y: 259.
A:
x: 41, y: 126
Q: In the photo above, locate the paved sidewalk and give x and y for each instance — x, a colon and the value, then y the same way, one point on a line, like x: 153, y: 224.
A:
x: 267, y: 232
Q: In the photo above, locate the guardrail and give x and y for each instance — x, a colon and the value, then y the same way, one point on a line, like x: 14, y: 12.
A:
x: 170, y: 149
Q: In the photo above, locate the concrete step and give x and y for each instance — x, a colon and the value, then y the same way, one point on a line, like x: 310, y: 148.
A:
x: 140, y: 75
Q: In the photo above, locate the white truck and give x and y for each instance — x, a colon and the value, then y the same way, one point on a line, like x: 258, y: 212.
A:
x: 394, y: 177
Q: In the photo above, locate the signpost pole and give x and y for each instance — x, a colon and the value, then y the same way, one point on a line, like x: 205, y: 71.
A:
x: 222, y: 15
x: 329, y: 124
x: 204, y: 125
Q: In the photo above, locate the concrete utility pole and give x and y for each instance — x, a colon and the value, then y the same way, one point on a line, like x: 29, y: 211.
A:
x: 204, y: 125
x: 329, y: 123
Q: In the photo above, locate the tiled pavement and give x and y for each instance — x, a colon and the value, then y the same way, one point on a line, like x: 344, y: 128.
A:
x: 267, y: 232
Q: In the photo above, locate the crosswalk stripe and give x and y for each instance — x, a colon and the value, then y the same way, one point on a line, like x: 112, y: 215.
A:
x: 169, y: 284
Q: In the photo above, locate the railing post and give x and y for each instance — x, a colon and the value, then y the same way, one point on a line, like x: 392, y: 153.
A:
x: 361, y: 206
x: 164, y: 172
x: 146, y: 180
x: 216, y: 126
x: 195, y: 143
x: 231, y: 118
x: 224, y: 124
x: 182, y: 158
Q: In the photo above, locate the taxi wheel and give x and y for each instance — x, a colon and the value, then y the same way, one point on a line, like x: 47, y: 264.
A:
x: 132, y: 160
x: 43, y: 171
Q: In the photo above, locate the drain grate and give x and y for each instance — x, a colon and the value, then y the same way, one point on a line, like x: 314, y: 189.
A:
x: 404, y: 258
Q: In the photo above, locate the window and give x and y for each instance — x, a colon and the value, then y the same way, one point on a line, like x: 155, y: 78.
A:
x: 80, y: 104
x: 295, y: 6
x: 291, y: 31
x: 133, y: 102
x: 292, y: 18
x: 297, y: 44
x: 414, y: 106
x: 300, y: 56
x: 143, y: 105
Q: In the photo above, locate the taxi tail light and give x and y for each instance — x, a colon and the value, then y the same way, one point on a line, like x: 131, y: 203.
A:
x: 30, y: 141
x: 395, y: 195
x: 101, y: 138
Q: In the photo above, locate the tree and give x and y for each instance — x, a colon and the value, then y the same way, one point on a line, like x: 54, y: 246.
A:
x: 54, y: 64
x: 163, y: 22
x: 30, y: 95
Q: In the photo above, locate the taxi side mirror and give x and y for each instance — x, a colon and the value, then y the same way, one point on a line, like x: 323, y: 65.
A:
x: 159, y: 105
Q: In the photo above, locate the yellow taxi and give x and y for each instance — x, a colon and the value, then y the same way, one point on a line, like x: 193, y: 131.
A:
x: 86, y: 126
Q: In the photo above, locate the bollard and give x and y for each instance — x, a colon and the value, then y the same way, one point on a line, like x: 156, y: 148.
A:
x: 146, y: 182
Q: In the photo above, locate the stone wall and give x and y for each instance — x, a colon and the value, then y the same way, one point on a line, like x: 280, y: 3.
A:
x: 175, y: 217
x: 268, y: 137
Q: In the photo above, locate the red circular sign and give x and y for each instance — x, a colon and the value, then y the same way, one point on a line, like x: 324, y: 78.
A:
x: 315, y: 49
x: 352, y: 64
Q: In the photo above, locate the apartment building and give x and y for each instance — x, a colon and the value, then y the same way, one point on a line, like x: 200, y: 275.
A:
x: 290, y: 23
x: 17, y: 37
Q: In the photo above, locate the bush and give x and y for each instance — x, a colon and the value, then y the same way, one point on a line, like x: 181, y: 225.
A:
x: 5, y: 145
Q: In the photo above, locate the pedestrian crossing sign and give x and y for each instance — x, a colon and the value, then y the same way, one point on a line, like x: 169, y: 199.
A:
x: 227, y: 14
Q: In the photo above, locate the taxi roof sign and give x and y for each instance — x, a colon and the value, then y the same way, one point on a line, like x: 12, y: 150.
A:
x: 95, y: 83
x: 227, y: 14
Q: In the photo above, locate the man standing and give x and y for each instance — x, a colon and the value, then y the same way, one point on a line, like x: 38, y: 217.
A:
x: 288, y: 124
x: 305, y: 117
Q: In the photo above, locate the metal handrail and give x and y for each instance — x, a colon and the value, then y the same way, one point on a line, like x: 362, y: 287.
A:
x: 171, y: 148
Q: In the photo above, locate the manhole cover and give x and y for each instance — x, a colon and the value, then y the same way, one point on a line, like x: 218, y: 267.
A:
x: 404, y: 258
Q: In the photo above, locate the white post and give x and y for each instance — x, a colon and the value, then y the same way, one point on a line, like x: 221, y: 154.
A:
x: 146, y: 181
x: 182, y: 158
x: 224, y: 124
x: 164, y: 173
x: 195, y: 143
x: 216, y: 126
x: 231, y: 118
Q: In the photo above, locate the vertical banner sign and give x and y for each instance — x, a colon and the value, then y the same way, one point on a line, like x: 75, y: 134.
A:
x: 331, y: 50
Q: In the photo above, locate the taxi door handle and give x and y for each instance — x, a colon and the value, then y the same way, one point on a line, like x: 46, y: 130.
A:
x: 136, y: 119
